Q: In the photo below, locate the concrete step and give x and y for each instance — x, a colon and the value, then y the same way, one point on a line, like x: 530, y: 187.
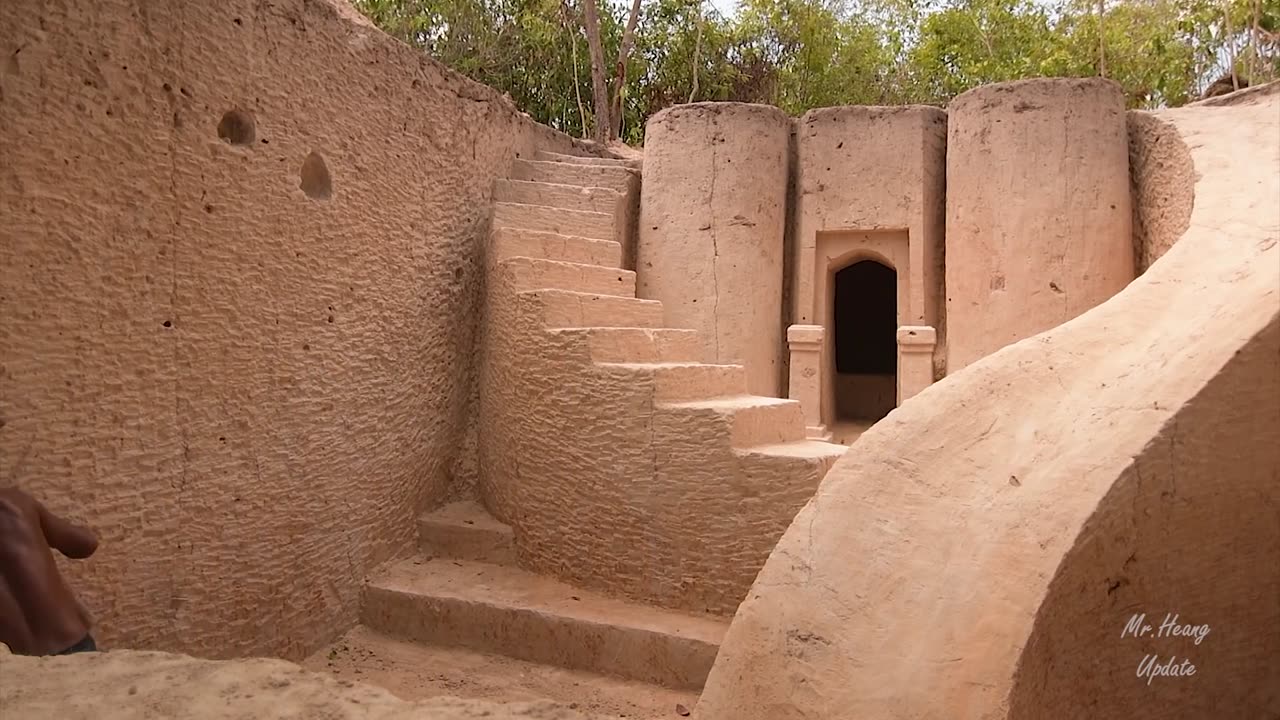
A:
x: 569, y: 197
x: 639, y: 345
x: 565, y: 309
x: 681, y: 382
x: 518, y: 242
x: 750, y: 420
x: 538, y: 274
x: 508, y: 611
x: 594, y: 225
x: 586, y: 160
x: 466, y: 531
x: 621, y: 179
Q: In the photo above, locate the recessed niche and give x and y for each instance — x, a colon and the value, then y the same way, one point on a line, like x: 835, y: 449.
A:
x: 316, y: 181
x: 237, y: 127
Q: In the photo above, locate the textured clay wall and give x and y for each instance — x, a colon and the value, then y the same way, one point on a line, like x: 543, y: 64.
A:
x: 239, y: 282
x: 1161, y: 174
x: 1039, y: 224
x: 1122, y: 463
x: 710, y: 243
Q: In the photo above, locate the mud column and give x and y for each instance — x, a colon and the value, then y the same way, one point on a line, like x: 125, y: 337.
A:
x: 805, y: 342
x: 710, y: 241
x: 1039, y: 227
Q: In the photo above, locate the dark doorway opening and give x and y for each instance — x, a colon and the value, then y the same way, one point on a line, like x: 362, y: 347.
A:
x: 865, y: 320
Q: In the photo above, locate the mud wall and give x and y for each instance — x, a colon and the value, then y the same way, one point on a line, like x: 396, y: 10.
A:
x: 239, y: 281
x: 871, y: 169
x: 1039, y: 225
x: 1025, y: 539
x: 863, y: 176
x: 1161, y: 177
x: 713, y: 210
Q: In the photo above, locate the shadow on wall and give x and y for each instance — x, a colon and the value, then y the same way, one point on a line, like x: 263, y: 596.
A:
x: 1187, y: 541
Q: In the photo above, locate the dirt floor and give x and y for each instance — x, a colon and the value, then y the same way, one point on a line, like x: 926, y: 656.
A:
x: 131, y: 685
x: 414, y: 672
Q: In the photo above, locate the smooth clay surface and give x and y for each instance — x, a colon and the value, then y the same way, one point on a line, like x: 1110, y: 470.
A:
x: 129, y: 685
x: 1039, y: 225
x: 979, y: 553
x: 239, y: 288
x: 713, y: 211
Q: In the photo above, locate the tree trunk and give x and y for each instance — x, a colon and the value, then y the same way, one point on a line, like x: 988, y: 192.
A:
x: 1255, y: 64
x: 577, y: 85
x: 697, y: 49
x: 620, y: 82
x: 599, y: 91
x: 1231, y: 52
x: 1102, y: 42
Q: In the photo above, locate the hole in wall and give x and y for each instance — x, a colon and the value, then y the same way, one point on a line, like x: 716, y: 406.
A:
x: 237, y: 127
x: 316, y: 181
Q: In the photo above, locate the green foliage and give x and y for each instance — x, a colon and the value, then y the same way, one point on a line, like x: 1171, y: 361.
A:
x: 802, y: 54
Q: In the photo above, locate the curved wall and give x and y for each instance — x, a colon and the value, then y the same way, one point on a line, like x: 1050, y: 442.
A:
x: 1038, y: 224
x: 710, y: 243
x: 977, y: 554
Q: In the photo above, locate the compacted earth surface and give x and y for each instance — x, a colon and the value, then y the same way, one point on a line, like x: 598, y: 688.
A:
x: 133, y: 685
x: 413, y: 671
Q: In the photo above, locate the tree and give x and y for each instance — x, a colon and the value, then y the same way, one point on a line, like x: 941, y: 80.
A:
x: 801, y: 54
x: 599, y: 90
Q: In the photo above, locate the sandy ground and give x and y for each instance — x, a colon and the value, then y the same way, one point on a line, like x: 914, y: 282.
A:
x: 131, y: 685
x: 414, y: 672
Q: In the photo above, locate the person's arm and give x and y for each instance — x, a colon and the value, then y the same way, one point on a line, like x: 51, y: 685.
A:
x: 72, y: 540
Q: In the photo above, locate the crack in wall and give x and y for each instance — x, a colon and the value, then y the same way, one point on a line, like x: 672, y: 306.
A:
x: 715, y: 248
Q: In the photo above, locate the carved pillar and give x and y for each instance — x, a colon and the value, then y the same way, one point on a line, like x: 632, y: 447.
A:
x: 805, y: 343
x: 915, y: 359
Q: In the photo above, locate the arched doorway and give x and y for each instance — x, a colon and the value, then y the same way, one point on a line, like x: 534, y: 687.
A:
x: 864, y: 328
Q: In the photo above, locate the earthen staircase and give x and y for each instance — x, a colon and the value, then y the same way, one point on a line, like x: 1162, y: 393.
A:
x: 557, y: 228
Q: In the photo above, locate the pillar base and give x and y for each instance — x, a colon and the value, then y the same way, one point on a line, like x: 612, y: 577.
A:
x: 915, y: 359
x: 805, y: 342
x: 817, y: 432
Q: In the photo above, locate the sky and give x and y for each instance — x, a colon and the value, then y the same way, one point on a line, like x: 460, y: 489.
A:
x: 726, y: 7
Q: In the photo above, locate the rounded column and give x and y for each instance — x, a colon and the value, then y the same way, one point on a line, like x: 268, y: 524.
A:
x: 1039, y: 225
x: 710, y: 242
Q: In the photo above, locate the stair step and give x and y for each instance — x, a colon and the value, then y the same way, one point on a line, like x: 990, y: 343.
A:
x: 822, y: 454
x: 679, y: 382
x: 518, y: 242
x: 621, y: 179
x: 594, y: 225
x: 586, y: 159
x: 569, y: 197
x: 566, y: 309
x: 416, y: 671
x: 752, y: 420
x: 539, y: 274
x: 466, y: 531
x: 508, y: 611
x: 639, y: 345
